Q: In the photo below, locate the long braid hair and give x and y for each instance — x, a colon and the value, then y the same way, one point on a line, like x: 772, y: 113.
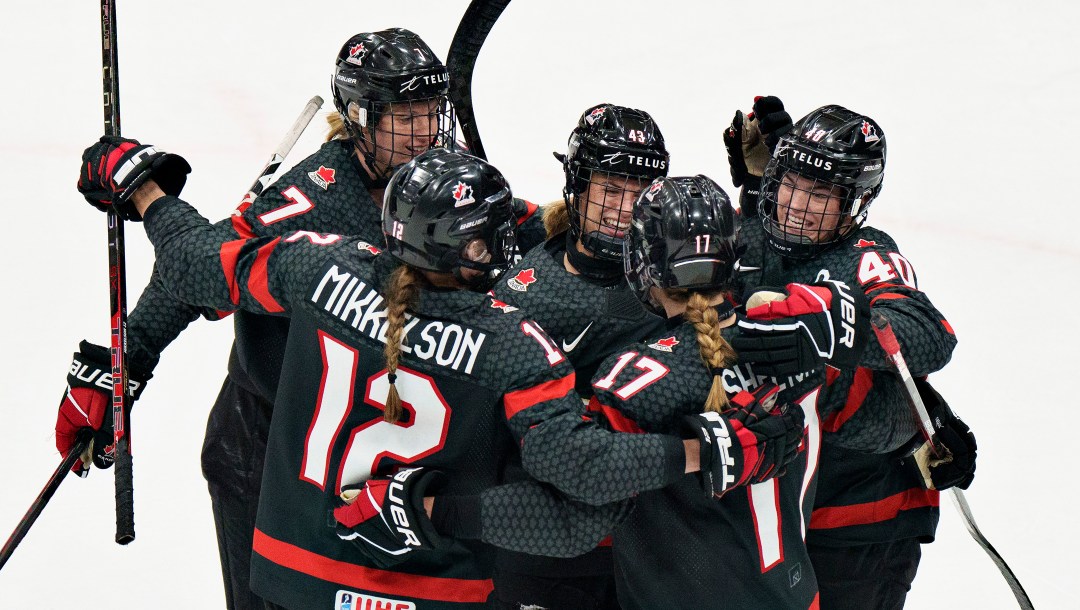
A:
x: 402, y: 288
x: 716, y: 352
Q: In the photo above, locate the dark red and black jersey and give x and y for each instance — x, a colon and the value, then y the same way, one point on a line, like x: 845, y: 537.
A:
x: 680, y: 549
x: 481, y: 385
x: 587, y: 321
x: 871, y: 498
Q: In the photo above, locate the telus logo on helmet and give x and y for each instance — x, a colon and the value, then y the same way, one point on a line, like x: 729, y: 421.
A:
x: 416, y: 81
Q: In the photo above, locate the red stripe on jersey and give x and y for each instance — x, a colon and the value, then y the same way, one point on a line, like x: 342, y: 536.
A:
x: 887, y: 296
x: 860, y: 387
x: 816, y: 604
x: 829, y: 517
x: 618, y: 421
x: 530, y: 209
x: 259, y: 282
x: 605, y: 542
x: 947, y: 326
x: 222, y: 314
x: 242, y: 227
x: 517, y: 401
x: 370, y: 579
x: 748, y: 445
x: 229, y: 253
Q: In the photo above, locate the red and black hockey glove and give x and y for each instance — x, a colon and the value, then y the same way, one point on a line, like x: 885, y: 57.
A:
x: 956, y: 468
x: 114, y: 167
x: 750, y: 443
x: 385, y: 518
x: 832, y: 319
x: 750, y: 141
x: 87, y: 403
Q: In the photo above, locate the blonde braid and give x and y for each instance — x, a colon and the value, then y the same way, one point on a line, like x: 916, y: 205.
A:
x: 401, y: 292
x: 716, y: 352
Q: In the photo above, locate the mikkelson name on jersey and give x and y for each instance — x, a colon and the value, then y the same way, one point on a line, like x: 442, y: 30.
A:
x: 351, y: 300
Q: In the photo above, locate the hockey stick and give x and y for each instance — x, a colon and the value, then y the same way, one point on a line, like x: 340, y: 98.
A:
x: 888, y: 342
x: 125, y: 489
x: 287, y: 143
x: 81, y: 443
x: 475, y: 25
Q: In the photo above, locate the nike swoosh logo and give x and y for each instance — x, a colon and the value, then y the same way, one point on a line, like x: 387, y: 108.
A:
x: 740, y: 268
x: 569, y: 347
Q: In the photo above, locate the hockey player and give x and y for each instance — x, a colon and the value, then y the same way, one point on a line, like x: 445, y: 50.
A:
x: 574, y: 288
x: 401, y: 360
x: 872, y: 509
x: 389, y: 90
x: 735, y: 547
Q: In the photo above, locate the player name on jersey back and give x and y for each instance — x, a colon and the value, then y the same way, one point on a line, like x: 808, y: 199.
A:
x: 353, y: 301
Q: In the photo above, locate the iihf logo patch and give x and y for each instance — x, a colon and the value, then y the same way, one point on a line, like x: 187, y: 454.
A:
x: 522, y: 280
x: 862, y: 243
x: 654, y: 188
x: 665, y: 345
x: 357, y: 53
x: 323, y: 177
x: 462, y: 195
x: 869, y: 132
x: 506, y: 308
x: 595, y: 115
x: 366, y: 247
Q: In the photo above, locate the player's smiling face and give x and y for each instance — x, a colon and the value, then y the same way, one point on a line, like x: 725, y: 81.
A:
x: 809, y: 208
x: 406, y: 130
x: 609, y: 203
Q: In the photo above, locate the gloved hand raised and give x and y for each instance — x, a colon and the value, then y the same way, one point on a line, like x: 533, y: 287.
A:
x: 750, y: 141
x: 834, y: 320
x: 113, y: 168
x: 87, y: 403
x: 749, y: 443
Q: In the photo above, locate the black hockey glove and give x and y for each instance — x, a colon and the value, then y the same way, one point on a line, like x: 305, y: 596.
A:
x: 87, y: 403
x: 386, y: 519
x: 750, y: 443
x: 773, y: 120
x: 957, y: 467
x: 114, y: 167
x: 833, y: 318
x: 750, y: 141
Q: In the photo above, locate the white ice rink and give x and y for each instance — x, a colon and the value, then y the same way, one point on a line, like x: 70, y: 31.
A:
x: 980, y: 101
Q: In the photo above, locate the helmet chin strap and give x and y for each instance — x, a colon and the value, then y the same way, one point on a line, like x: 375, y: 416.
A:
x: 600, y: 270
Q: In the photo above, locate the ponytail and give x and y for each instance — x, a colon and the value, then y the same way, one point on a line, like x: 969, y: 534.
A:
x: 716, y: 352
x: 401, y: 292
x: 556, y: 218
x: 336, y: 127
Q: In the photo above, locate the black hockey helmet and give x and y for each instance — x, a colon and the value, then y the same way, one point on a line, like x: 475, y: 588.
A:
x: 625, y: 151
x: 392, y: 71
x: 444, y: 208
x: 820, y: 182
x: 682, y: 236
